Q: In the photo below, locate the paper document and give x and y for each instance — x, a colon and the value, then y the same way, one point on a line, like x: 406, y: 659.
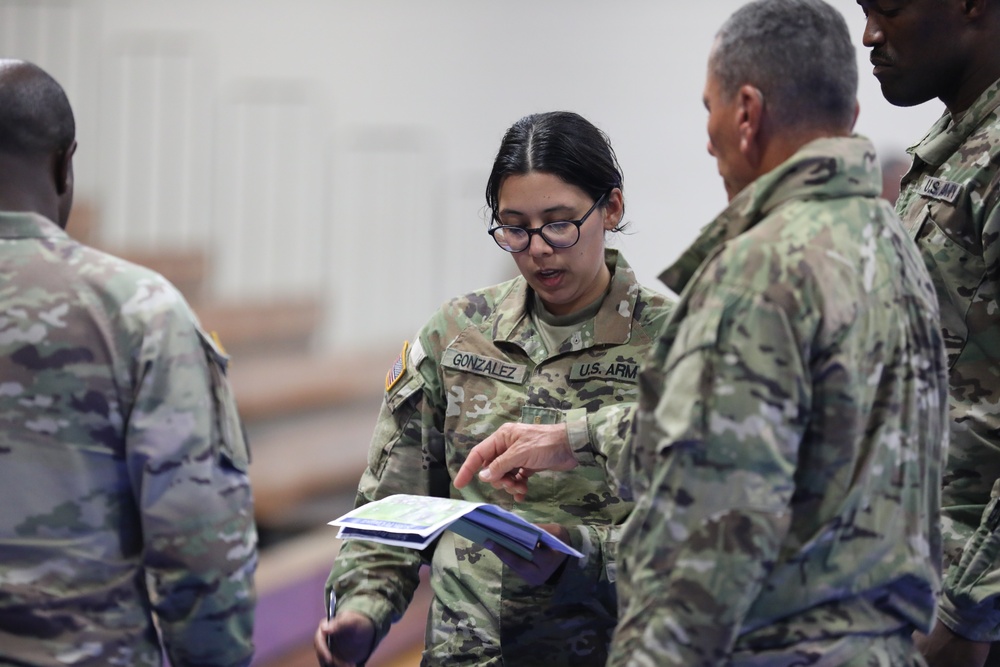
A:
x: 416, y: 521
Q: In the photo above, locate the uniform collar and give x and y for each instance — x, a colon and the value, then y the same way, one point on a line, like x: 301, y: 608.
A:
x: 512, y: 324
x: 28, y: 225
x: 949, y: 132
x: 824, y: 168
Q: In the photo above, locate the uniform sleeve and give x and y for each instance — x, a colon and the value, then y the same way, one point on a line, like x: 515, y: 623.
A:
x: 188, y: 464
x: 602, y: 437
x: 406, y: 456
x: 722, y: 444
x: 598, y: 438
x: 970, y: 604
x: 972, y: 586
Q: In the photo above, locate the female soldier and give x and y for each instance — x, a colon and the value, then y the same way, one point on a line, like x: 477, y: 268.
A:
x: 563, y: 340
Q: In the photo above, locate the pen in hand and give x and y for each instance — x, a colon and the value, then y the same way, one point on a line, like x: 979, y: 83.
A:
x: 331, y: 610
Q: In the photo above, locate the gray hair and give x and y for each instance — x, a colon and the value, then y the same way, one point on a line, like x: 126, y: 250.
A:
x: 798, y: 53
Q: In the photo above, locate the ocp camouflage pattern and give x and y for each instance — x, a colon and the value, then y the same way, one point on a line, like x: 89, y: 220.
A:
x: 122, y: 467
x: 950, y: 201
x: 790, y: 433
x: 479, y: 363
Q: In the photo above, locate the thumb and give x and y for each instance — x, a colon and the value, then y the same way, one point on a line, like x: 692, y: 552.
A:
x: 501, y: 465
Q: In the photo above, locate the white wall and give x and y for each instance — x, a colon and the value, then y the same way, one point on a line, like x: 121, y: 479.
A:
x: 343, y: 145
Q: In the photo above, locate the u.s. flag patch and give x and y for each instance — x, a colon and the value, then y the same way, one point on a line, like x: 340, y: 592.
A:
x: 398, y: 368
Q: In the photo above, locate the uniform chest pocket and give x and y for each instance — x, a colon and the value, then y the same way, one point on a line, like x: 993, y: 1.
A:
x: 955, y: 262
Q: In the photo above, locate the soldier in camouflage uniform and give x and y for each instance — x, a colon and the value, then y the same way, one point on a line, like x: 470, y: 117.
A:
x: 126, y: 505
x: 562, y: 340
x: 950, y: 202
x: 787, y: 455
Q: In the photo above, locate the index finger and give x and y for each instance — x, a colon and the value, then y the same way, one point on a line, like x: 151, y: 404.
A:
x: 479, y: 457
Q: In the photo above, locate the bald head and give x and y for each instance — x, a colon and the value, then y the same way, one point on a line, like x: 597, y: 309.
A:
x: 35, y: 115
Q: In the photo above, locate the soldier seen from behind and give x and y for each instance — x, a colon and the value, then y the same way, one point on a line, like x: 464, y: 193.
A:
x: 127, y: 525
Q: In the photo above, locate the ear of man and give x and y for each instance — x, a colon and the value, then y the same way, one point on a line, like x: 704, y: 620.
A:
x: 62, y: 171
x: 750, y: 119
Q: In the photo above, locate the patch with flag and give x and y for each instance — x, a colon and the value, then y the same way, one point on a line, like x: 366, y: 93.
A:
x: 398, y: 368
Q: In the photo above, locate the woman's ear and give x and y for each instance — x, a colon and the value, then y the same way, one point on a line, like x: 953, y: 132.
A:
x: 614, y: 209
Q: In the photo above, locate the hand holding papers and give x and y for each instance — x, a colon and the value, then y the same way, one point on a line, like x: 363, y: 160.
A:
x: 416, y: 521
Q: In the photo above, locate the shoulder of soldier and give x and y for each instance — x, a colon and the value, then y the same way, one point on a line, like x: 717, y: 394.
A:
x: 123, y: 279
x: 657, y: 302
x: 652, y: 308
x: 471, y: 309
x: 456, y: 315
x: 779, y: 260
x: 134, y: 297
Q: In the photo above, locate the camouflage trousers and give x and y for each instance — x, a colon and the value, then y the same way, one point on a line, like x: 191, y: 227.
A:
x: 895, y: 650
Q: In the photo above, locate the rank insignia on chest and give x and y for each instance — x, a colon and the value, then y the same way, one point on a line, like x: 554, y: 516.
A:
x: 937, y: 188
x: 398, y: 368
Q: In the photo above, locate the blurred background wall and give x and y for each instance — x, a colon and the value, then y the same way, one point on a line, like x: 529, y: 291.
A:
x: 341, y: 147
x: 311, y: 174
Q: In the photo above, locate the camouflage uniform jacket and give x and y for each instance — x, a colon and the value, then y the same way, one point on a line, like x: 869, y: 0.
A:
x: 787, y: 457
x: 951, y: 204
x: 122, y: 467
x: 477, y: 364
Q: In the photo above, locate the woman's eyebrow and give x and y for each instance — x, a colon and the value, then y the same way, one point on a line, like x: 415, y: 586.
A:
x: 558, y: 208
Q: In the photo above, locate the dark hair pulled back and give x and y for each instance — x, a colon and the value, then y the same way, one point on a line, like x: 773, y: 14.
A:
x: 561, y: 143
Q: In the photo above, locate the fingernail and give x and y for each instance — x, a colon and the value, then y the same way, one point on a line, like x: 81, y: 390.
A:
x: 485, y: 474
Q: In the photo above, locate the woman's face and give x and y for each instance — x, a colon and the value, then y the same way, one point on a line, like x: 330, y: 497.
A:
x: 566, y: 279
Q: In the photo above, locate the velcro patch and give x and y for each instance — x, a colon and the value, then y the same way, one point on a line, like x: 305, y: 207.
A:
x: 397, y: 369
x: 485, y: 366
x: 620, y: 371
x: 937, y: 188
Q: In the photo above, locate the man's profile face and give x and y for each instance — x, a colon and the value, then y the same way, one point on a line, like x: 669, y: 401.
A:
x: 914, y: 48
x: 723, y: 135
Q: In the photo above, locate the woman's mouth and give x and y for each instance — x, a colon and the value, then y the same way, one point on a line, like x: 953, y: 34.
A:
x: 549, y: 278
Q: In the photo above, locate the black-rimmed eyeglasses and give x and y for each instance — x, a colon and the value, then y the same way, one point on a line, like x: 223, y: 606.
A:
x: 558, y: 234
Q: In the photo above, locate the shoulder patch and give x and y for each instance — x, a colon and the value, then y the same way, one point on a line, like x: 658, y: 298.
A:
x: 937, y: 188
x: 211, y: 342
x: 218, y: 342
x: 397, y: 369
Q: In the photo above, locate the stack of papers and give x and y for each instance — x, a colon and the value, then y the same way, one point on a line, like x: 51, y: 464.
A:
x: 415, y: 521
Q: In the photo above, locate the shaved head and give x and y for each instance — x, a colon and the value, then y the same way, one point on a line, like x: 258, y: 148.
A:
x: 35, y: 114
x: 37, y: 142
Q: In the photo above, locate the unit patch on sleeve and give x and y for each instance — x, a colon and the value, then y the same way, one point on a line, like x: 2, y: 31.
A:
x: 497, y: 369
x: 937, y: 188
x: 397, y: 369
x: 620, y: 371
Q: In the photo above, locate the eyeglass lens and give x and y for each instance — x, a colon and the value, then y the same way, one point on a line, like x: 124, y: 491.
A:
x: 557, y: 234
